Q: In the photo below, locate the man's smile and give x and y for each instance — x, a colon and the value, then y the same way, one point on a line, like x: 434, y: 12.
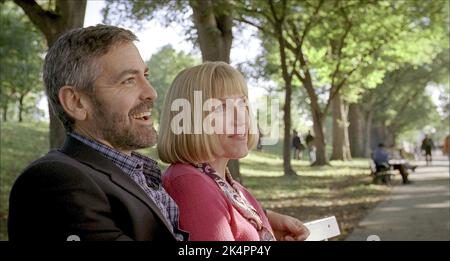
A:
x: 144, y: 117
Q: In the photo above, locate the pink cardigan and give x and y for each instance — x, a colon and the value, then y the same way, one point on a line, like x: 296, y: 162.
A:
x: 205, y: 212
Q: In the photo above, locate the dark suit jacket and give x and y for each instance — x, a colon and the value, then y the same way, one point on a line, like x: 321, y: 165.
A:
x: 77, y: 191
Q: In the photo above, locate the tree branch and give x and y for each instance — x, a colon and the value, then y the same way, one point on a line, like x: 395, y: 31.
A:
x: 274, y: 12
x: 40, y: 17
x: 251, y: 11
x: 309, y: 24
x: 397, y: 118
x: 334, y: 90
x: 245, y: 21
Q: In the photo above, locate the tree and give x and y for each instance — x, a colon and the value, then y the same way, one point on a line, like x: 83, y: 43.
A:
x: 270, y: 18
x: 21, y: 49
x: 356, y: 130
x: 341, y: 142
x: 337, y: 43
x: 401, y: 102
x: 59, y: 17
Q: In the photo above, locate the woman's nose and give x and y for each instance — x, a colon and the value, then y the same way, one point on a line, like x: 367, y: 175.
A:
x: 240, y: 119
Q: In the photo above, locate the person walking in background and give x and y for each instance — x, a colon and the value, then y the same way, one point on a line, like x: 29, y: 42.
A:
x: 259, y: 146
x: 310, y: 145
x: 297, y: 145
x: 427, y: 146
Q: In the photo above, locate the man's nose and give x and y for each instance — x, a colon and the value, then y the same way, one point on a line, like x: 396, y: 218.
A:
x: 148, y: 91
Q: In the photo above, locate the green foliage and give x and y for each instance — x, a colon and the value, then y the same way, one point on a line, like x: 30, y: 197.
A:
x: 132, y: 11
x: 164, y: 66
x: 21, y: 55
x: 401, y: 102
x: 351, y: 43
x: 133, y: 14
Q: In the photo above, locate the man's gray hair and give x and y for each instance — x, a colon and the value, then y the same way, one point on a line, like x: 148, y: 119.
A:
x: 71, y: 61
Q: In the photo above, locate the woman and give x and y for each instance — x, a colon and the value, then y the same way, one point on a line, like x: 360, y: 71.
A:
x: 213, y: 98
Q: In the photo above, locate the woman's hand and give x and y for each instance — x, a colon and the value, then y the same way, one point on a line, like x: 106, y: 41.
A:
x: 287, y: 228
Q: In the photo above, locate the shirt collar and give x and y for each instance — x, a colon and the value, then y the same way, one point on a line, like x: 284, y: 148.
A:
x: 127, y: 163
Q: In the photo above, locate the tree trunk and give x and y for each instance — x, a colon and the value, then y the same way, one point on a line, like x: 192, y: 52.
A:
x: 287, y: 167
x: 356, y: 130
x: 341, y: 146
x: 379, y: 134
x: 319, y: 141
x: 318, y: 121
x: 234, y: 168
x: 319, y: 135
x: 368, y: 140
x: 389, y: 136
x: 5, y: 113
x: 53, y: 23
x: 215, y: 37
x: 21, y: 97
x: 214, y: 30
x: 348, y: 153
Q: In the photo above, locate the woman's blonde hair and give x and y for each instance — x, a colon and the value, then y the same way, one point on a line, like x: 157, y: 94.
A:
x: 214, y: 80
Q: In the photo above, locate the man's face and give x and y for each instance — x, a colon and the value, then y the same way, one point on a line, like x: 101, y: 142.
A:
x: 123, y: 100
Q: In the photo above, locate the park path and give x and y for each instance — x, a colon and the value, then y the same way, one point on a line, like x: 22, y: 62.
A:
x: 417, y: 211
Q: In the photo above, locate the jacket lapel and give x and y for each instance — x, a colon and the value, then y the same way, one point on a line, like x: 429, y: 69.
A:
x: 83, y: 153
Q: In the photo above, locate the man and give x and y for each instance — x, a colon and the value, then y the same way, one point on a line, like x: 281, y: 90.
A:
x: 427, y: 146
x: 310, y: 145
x: 381, y: 159
x: 296, y: 145
x: 96, y: 187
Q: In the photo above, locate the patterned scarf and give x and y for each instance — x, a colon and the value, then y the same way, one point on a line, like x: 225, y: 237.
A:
x: 237, y: 199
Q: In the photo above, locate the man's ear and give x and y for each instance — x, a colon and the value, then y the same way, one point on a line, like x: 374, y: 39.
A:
x: 73, y: 103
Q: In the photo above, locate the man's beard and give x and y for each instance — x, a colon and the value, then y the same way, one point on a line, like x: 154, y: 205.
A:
x: 117, y: 130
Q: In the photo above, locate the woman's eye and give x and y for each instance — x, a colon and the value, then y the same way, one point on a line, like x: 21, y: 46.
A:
x: 219, y: 108
x: 241, y: 103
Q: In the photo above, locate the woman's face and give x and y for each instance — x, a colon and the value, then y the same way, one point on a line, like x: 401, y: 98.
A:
x: 233, y: 134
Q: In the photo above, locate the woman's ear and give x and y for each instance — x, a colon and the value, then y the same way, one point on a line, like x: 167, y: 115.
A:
x: 71, y: 101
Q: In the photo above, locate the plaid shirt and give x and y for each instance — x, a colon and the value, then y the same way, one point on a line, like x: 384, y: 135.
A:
x: 147, y: 174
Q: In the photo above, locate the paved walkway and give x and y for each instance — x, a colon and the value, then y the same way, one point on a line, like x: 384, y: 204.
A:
x: 418, y: 211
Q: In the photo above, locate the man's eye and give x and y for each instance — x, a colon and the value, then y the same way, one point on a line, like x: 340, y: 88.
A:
x: 129, y: 81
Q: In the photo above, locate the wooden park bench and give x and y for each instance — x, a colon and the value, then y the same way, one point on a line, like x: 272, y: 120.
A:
x: 381, y: 175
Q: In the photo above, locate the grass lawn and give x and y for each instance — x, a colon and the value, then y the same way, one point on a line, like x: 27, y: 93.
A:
x: 20, y: 144
x: 343, y: 189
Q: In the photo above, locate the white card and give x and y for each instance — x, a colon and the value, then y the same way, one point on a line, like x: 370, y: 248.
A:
x: 322, y: 229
